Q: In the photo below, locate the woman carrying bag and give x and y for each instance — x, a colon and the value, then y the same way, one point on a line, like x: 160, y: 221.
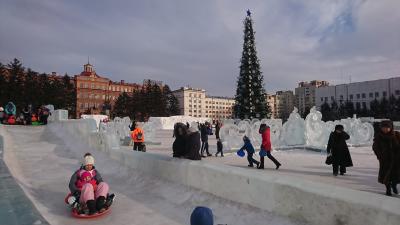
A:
x: 266, y: 146
x: 338, y: 152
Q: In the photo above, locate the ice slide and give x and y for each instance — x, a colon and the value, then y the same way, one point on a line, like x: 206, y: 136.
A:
x: 42, y: 164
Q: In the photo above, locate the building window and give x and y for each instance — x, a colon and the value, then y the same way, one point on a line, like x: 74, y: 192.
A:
x: 190, y: 95
x: 363, y: 95
x: 384, y: 94
x: 397, y: 92
x: 194, y: 110
x: 81, y: 85
x: 195, y: 101
x: 364, y: 105
x: 326, y: 99
x: 190, y: 105
x: 190, y: 100
x: 376, y: 94
x: 341, y: 97
x: 332, y: 98
x: 322, y: 99
x: 371, y: 95
x: 93, y: 86
x: 358, y: 96
x: 351, y: 96
x: 86, y: 85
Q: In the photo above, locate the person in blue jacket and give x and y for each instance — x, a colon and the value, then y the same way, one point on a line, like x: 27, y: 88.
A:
x: 202, y: 215
x: 250, y: 151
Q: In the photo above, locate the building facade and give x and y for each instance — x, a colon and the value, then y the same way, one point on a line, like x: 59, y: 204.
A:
x: 93, y: 91
x: 281, y: 104
x: 194, y: 102
x: 271, y: 100
x: 305, y: 97
x: 360, y: 93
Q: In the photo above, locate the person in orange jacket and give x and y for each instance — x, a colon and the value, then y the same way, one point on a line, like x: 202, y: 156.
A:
x: 137, y: 136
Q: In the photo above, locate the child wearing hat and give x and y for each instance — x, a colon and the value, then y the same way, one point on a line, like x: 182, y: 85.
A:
x: 250, y: 151
x: 202, y: 216
x: 94, y: 196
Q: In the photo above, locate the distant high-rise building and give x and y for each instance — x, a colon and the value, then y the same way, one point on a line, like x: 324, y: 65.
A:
x: 305, y: 95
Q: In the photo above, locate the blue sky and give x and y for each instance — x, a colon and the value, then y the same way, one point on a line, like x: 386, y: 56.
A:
x: 199, y: 43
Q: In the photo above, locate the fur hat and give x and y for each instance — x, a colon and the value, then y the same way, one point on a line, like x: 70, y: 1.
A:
x: 387, y: 123
x: 201, y: 216
x: 89, y: 160
x: 339, y: 127
x: 192, y: 130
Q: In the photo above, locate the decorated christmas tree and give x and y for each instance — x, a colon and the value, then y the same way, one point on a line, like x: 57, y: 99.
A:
x: 250, y: 93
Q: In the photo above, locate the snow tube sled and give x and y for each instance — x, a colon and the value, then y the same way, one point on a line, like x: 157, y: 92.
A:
x: 240, y: 153
x: 79, y: 211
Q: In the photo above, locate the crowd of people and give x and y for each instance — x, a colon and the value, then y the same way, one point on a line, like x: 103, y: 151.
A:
x: 89, y: 189
x: 27, y: 115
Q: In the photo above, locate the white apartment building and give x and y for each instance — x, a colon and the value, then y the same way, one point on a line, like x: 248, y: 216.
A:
x: 360, y: 93
x: 305, y: 97
x: 194, y: 102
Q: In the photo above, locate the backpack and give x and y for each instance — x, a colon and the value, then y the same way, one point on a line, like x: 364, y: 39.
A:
x: 139, y: 136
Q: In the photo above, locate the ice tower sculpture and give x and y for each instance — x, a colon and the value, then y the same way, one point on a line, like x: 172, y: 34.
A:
x: 316, y: 133
x: 292, y: 133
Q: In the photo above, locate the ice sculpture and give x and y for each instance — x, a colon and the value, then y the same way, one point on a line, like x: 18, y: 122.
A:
x: 230, y: 136
x: 311, y: 132
x: 149, y: 132
x: 292, y: 133
x: 316, y: 133
x: 361, y: 133
x: 108, y: 136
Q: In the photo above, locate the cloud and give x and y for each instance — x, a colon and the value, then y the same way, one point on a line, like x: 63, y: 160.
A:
x: 199, y: 43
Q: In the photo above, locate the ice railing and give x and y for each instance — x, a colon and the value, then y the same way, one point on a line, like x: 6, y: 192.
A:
x: 296, y: 132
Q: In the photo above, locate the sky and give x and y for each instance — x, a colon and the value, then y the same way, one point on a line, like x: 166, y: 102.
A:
x: 199, y: 43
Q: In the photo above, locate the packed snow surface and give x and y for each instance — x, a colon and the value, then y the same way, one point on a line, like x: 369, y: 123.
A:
x: 43, y: 163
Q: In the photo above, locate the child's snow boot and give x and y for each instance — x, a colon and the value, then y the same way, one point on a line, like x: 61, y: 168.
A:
x: 100, y: 203
x: 91, y: 204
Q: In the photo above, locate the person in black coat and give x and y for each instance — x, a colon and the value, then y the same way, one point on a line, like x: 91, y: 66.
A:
x: 179, y: 145
x: 217, y: 128
x: 205, y: 131
x: 192, y: 144
x: 386, y: 147
x: 337, y: 147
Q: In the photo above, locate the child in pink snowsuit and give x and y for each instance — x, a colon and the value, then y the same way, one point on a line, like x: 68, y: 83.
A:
x: 88, y: 181
x: 86, y: 177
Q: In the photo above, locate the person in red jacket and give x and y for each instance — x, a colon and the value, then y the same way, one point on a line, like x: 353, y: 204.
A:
x: 266, y: 146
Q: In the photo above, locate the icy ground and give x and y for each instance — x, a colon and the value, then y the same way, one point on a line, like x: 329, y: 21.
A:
x: 42, y: 164
x: 297, y: 162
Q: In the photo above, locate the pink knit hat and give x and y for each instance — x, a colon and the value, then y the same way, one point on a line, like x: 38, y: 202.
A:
x: 85, y: 175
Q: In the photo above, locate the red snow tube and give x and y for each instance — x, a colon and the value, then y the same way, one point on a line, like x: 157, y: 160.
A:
x: 75, y: 213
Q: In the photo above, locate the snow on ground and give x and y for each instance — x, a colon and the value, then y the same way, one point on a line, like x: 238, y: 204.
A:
x: 43, y: 164
x: 297, y: 162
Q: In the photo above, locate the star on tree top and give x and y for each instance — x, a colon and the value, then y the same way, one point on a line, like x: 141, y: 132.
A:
x: 248, y: 12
